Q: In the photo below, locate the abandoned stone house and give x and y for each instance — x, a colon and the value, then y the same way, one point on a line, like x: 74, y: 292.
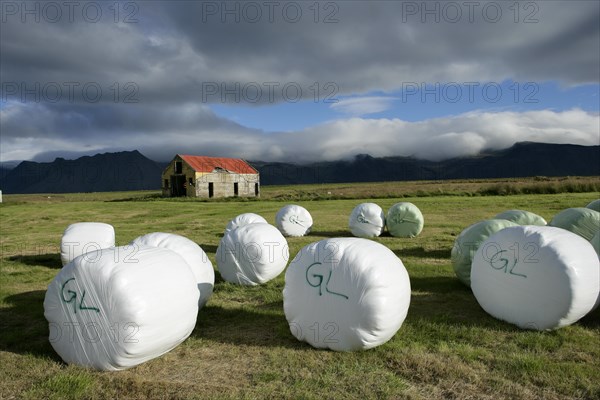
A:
x: 200, y: 176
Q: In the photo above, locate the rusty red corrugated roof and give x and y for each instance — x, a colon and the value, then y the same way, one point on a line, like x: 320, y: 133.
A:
x: 208, y: 164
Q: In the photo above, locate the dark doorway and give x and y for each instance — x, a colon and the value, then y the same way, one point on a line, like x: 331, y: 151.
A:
x: 256, y: 189
x: 178, y: 167
x: 236, y: 190
x: 178, y: 186
x: 211, y: 189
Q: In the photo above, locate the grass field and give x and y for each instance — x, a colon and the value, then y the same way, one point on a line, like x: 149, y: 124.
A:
x: 448, y: 347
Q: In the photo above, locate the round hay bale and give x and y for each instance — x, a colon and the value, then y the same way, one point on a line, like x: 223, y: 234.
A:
x: 193, y: 254
x: 536, y: 277
x: 404, y: 220
x: 114, y: 308
x: 522, y: 217
x: 83, y: 237
x: 346, y: 294
x: 252, y: 254
x: 367, y: 220
x: 293, y: 220
x: 583, y: 221
x: 245, y: 219
x: 594, y: 205
x: 467, y: 243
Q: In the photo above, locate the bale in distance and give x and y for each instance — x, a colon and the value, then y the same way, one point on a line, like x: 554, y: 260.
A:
x: 536, y: 277
x: 594, y: 205
x: 293, y: 220
x: 467, y: 243
x: 252, y: 254
x: 244, y: 219
x: 82, y: 237
x: 346, y: 294
x: 583, y: 221
x: 112, y: 309
x: 522, y: 217
x: 404, y: 220
x: 367, y: 220
x: 193, y: 254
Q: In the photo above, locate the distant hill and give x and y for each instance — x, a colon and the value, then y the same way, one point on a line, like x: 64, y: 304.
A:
x: 130, y: 170
x: 127, y: 170
x: 521, y: 160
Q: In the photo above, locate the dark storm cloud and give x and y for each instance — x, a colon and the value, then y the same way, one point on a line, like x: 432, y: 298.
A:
x: 155, y: 72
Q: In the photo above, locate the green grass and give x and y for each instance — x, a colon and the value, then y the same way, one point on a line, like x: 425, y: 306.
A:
x: 448, y: 347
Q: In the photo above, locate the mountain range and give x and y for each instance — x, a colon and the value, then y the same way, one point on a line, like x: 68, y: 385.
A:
x: 131, y: 170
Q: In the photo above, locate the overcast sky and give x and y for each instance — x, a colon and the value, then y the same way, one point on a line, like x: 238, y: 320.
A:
x: 296, y: 81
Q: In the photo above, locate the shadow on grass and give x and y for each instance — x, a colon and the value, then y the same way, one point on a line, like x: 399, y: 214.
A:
x: 50, y: 260
x: 208, y: 248
x: 245, y: 326
x: 24, y: 328
x: 331, y: 234
x: 420, y: 252
x: 148, y: 197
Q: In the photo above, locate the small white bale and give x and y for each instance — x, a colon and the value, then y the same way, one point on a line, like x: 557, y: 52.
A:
x: 467, y: 243
x: 522, y: 217
x: 536, y: 277
x: 293, y: 220
x: 404, y: 220
x: 83, y: 237
x: 193, y: 254
x: 245, y: 219
x: 583, y: 221
x: 594, y: 205
x: 346, y: 294
x: 252, y: 254
x: 367, y: 220
x: 115, y: 308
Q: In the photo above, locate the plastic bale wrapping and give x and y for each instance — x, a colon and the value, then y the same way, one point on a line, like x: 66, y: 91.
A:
x: 594, y: 205
x: 245, y: 219
x: 367, y: 220
x: 293, y: 220
x: 536, y: 277
x: 346, y: 294
x: 115, y: 308
x: 583, y: 221
x: 83, y: 237
x: 596, y: 242
x: 193, y: 254
x: 467, y: 243
x: 252, y: 254
x: 404, y: 220
x: 522, y: 217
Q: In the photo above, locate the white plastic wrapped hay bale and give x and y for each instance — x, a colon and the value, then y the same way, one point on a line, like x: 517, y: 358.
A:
x: 252, y: 254
x: 346, y: 294
x: 115, y: 308
x: 594, y: 205
x: 367, y: 220
x: 193, y: 254
x: 404, y: 220
x: 83, y: 237
x: 536, y: 277
x: 467, y: 243
x: 583, y: 221
x: 522, y: 217
x: 293, y: 220
x: 245, y: 219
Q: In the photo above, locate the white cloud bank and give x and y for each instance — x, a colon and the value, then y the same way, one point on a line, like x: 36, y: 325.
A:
x: 196, y: 129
